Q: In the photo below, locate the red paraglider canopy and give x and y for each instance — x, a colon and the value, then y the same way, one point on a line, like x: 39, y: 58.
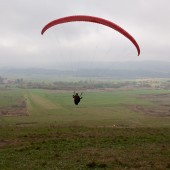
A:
x: 94, y: 20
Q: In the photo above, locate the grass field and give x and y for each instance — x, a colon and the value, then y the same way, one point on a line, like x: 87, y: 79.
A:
x: 119, y: 129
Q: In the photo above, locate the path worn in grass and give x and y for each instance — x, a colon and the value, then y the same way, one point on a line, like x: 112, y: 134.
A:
x: 42, y: 102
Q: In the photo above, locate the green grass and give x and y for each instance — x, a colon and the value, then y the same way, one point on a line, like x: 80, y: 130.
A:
x: 103, y: 132
x: 96, y: 108
x: 9, y: 97
x: 68, y: 147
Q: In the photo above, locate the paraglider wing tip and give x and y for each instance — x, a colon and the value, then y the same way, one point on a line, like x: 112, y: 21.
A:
x: 138, y: 51
x: 42, y: 32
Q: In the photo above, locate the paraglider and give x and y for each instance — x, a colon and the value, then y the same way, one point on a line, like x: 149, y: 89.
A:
x: 77, y: 98
x: 92, y: 19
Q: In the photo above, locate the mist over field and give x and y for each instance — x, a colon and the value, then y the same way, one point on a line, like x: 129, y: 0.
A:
x: 102, y: 70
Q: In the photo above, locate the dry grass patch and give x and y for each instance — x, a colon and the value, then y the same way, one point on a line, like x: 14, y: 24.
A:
x: 43, y: 102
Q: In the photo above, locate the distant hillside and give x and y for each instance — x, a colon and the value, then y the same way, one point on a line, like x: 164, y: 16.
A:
x: 114, y: 70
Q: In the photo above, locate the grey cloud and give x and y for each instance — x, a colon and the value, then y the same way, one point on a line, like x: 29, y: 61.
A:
x: 21, y: 43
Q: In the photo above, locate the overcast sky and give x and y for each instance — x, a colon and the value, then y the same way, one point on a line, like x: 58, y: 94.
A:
x: 22, y: 45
